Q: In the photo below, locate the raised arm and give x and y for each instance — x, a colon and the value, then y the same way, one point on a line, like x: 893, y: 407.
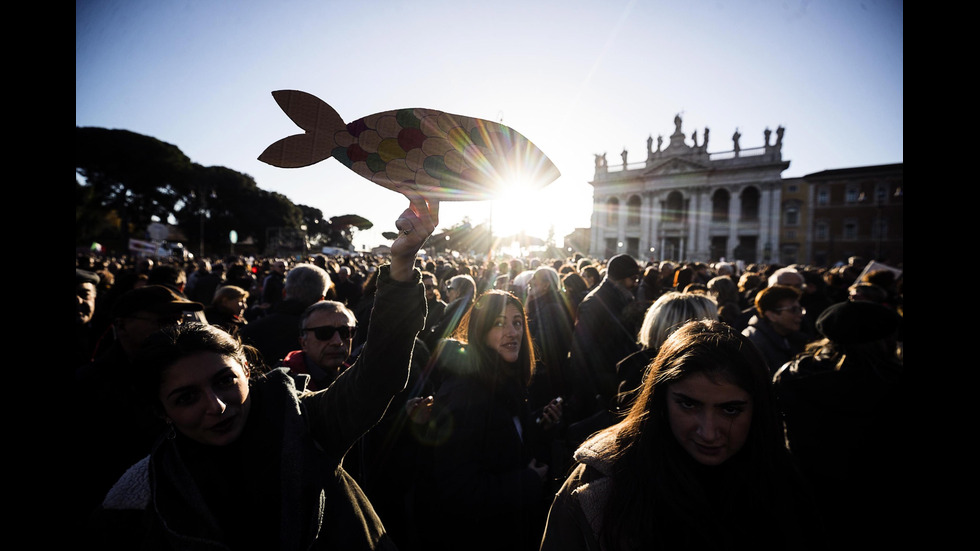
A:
x: 360, y: 395
x: 414, y: 226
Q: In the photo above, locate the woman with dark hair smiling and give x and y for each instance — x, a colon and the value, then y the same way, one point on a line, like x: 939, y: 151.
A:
x: 699, y: 462
x: 489, y: 489
x: 251, y: 461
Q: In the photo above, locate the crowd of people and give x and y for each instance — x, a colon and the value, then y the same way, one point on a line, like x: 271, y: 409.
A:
x: 459, y: 402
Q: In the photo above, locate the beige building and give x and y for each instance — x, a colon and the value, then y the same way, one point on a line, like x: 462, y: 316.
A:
x: 684, y: 203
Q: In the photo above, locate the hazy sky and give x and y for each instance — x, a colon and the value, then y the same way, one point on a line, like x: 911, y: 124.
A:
x: 576, y: 77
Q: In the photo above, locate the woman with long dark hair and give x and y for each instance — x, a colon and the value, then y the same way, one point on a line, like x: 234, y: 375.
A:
x: 699, y: 462
x: 488, y: 488
x: 251, y: 461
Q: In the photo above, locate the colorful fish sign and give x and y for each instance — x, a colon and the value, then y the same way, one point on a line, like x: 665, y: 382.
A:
x: 445, y: 156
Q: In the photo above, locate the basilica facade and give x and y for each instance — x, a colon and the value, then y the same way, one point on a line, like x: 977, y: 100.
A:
x: 684, y: 203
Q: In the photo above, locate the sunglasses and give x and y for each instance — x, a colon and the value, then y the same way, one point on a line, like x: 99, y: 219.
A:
x: 326, y: 332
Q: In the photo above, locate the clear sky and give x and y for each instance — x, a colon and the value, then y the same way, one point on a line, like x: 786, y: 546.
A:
x: 576, y: 77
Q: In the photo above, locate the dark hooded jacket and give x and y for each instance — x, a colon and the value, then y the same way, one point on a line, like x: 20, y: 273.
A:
x: 286, y: 468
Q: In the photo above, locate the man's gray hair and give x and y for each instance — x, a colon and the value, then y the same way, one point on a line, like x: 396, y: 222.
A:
x: 779, y: 276
x: 327, y: 306
x: 307, y: 283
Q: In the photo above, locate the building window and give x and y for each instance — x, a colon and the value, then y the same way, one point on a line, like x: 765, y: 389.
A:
x: 612, y: 213
x: 674, y: 208
x: 633, y: 211
x: 750, y: 204
x: 821, y: 231
x: 850, y: 230
x: 880, y: 228
x: 791, y: 215
x: 719, y: 205
x: 823, y: 196
x: 881, y: 194
x: 633, y: 247
x: 852, y: 195
x: 792, y: 188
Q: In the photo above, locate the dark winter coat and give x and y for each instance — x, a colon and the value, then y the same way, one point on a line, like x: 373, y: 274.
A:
x: 276, y: 333
x: 775, y: 348
x: 550, y: 324
x: 284, y: 469
x: 483, y: 495
x: 601, y: 338
x: 847, y: 425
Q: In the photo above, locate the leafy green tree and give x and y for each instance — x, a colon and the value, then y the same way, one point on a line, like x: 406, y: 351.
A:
x: 93, y: 223
x: 316, y: 226
x: 124, y: 181
x: 135, y: 176
x: 345, y: 226
x: 221, y: 200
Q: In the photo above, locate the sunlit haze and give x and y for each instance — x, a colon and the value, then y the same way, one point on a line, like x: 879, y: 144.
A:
x: 577, y: 78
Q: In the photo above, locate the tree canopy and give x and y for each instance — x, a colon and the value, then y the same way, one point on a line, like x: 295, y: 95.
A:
x: 124, y: 181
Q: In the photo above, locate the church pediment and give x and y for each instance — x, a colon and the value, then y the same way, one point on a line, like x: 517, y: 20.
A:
x: 674, y: 165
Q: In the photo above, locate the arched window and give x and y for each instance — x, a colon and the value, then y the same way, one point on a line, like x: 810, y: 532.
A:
x: 720, y: 201
x: 633, y: 211
x: 674, y: 207
x: 750, y: 204
x: 612, y: 213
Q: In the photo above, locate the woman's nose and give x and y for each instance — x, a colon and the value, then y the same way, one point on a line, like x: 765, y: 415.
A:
x: 215, y: 404
x: 708, y: 428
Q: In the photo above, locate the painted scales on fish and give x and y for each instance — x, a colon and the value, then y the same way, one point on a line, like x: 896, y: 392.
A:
x: 446, y: 156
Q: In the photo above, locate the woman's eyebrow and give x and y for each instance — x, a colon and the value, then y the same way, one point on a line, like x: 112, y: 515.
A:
x: 683, y: 396
x: 184, y: 388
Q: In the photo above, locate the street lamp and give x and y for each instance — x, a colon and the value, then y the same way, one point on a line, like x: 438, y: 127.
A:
x: 306, y: 244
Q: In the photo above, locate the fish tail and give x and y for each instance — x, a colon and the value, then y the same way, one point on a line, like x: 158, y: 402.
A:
x: 320, y: 121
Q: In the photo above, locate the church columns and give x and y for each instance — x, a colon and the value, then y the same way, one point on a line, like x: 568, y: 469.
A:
x: 769, y: 222
x: 646, y: 224
x: 734, y: 211
x: 701, y: 236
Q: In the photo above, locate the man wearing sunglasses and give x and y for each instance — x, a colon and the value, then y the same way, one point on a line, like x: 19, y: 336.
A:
x: 325, y: 336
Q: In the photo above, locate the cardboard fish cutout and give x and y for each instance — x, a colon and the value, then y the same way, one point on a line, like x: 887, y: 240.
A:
x: 446, y: 156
